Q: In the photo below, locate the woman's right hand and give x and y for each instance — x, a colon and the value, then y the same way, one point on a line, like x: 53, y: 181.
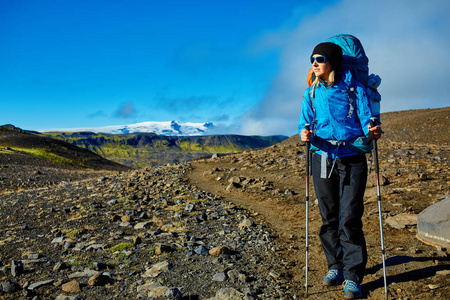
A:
x: 305, y: 135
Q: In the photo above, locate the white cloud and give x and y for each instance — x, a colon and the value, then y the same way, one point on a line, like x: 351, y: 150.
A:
x: 126, y: 110
x: 406, y: 42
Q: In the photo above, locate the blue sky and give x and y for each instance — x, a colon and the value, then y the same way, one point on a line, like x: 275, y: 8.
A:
x: 240, y: 64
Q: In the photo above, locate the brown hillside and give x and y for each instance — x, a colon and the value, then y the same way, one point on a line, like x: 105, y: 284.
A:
x: 424, y: 126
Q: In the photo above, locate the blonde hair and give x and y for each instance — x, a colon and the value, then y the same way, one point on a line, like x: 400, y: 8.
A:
x: 330, y: 81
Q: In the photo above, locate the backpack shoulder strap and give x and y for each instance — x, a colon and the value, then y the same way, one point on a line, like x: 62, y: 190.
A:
x: 312, y: 94
x: 312, y: 91
x: 351, y: 94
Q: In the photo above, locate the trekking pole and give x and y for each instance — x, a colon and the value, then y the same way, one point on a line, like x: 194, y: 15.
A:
x: 377, y: 172
x: 307, y: 208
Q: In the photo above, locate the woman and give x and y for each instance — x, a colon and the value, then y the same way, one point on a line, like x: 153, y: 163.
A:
x: 339, y: 113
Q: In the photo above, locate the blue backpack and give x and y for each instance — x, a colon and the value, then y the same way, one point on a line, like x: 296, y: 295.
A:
x: 355, y: 60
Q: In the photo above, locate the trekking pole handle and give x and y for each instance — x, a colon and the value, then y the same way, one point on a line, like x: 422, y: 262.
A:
x: 373, y: 122
x: 308, y: 128
x: 375, y: 146
x: 308, y: 153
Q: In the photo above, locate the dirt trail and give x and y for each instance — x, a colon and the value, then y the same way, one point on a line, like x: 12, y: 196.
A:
x: 411, y: 265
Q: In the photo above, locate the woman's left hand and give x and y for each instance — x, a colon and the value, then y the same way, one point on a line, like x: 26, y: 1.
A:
x: 376, y: 132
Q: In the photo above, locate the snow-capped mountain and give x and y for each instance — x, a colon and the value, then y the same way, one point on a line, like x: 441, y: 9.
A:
x: 170, y: 128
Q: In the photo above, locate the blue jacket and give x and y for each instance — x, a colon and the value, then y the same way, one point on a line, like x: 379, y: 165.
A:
x: 332, y: 116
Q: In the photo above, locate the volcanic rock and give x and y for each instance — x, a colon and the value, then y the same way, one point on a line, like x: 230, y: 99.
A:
x: 98, y: 280
x: 402, y: 221
x: 16, y: 268
x: 71, y: 287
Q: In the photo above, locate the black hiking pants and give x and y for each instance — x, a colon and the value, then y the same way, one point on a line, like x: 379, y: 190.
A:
x: 341, y: 208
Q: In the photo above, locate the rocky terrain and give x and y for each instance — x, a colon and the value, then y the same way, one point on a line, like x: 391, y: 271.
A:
x: 133, y: 236
x: 230, y: 227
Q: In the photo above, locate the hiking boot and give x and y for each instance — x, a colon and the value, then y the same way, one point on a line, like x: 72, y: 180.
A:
x: 333, y: 277
x: 352, y: 289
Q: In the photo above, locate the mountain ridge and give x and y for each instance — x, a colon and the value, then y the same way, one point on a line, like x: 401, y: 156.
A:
x: 167, y: 128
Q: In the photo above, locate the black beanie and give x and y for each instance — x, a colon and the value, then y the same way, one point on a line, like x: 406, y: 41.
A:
x: 331, y: 51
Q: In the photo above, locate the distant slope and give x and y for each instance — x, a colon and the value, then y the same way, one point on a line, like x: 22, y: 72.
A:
x: 430, y: 126
x: 143, y: 149
x: 16, y: 142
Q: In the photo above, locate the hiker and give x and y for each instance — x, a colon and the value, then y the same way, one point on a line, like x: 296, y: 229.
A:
x: 339, y: 167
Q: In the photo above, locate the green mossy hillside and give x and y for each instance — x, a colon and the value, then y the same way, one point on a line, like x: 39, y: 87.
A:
x: 16, y: 141
x: 144, y: 149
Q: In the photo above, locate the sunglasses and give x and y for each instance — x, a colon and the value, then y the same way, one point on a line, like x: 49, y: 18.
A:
x: 319, y: 59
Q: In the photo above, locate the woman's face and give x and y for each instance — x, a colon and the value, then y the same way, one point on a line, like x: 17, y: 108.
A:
x: 321, y: 69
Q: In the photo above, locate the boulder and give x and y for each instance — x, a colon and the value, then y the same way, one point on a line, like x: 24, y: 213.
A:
x: 16, y: 268
x: 157, y: 269
x: 402, y: 221
x: 39, y: 284
x: 228, y: 294
x: 9, y: 286
x: 71, y: 287
x: 98, y: 280
x: 173, y: 293
x: 85, y: 273
x: 216, y: 251
x: 220, y: 277
x: 433, y: 225
x: 156, y: 290
x: 64, y: 297
x: 246, y: 223
x: 160, y: 249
